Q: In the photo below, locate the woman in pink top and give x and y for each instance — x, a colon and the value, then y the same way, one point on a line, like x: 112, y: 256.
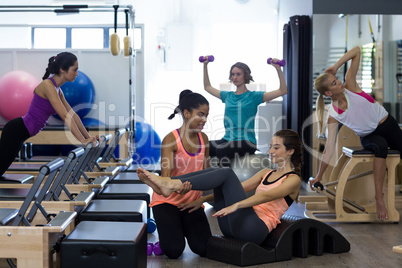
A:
x: 357, y: 110
x: 48, y: 100
x: 246, y: 218
x: 183, y: 151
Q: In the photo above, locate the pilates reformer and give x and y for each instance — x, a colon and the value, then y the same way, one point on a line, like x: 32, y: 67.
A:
x: 109, y: 158
x: 48, y: 193
x: 79, y: 181
x: 82, y: 203
x: 39, y: 192
x: 31, y: 245
x: 83, y: 171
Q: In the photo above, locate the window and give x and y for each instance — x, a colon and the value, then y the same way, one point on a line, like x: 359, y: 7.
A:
x: 367, y: 79
x: 83, y: 37
x: 89, y: 38
x: 15, y: 37
x: 121, y: 32
x: 49, y: 38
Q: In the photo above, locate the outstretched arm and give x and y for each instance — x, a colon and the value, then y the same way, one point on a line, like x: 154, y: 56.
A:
x: 207, y: 84
x: 283, y: 89
x: 290, y: 186
x: 76, y: 118
x: 328, y: 151
x: 68, y: 115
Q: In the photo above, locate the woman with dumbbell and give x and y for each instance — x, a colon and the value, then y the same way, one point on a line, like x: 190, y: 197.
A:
x: 240, y: 109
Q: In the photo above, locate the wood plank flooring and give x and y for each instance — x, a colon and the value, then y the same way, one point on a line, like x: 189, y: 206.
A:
x: 371, y: 246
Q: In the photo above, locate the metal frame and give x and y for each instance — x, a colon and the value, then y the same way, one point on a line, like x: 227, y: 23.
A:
x: 73, y: 9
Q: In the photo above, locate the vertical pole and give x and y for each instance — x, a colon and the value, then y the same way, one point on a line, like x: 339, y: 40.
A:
x: 132, y: 65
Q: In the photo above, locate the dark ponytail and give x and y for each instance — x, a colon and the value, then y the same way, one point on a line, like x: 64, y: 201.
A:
x: 63, y: 60
x: 188, y: 100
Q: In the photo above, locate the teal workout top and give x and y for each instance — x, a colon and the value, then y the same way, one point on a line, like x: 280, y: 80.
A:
x: 240, y: 112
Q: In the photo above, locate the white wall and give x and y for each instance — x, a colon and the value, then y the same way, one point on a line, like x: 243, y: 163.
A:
x: 232, y: 31
x: 110, y: 80
x: 229, y: 30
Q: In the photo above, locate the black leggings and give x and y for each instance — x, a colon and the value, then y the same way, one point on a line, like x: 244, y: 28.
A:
x: 13, y: 136
x: 175, y: 225
x: 243, y: 224
x: 227, y: 149
x: 387, y: 134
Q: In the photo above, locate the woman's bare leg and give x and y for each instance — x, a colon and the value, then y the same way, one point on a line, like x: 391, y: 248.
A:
x: 379, y: 169
x: 163, y: 185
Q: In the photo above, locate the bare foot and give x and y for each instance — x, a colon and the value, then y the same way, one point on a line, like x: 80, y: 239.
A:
x: 382, y: 212
x: 144, y: 178
x: 164, y: 185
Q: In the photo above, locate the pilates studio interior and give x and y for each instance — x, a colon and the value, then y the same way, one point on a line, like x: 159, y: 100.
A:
x: 79, y: 200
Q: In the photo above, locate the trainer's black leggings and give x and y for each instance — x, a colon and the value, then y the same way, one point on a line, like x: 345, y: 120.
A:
x: 13, y: 136
x: 243, y: 224
x: 175, y: 225
x: 387, y: 134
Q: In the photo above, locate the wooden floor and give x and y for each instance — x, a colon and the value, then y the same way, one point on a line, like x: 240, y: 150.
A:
x: 371, y: 246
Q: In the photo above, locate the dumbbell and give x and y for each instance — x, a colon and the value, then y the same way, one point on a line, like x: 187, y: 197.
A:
x: 280, y: 62
x: 204, y: 58
x: 151, y: 225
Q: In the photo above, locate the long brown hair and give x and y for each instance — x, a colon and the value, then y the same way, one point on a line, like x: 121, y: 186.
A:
x: 291, y: 140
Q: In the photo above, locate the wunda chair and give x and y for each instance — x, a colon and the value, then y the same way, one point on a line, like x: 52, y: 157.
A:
x: 350, y: 188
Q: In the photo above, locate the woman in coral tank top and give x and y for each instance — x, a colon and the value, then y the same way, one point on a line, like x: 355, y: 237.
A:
x: 184, y: 150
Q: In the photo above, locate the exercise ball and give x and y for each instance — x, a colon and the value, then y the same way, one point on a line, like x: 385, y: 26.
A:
x: 16, y: 93
x: 80, y: 94
x: 147, y: 144
x: 91, y: 122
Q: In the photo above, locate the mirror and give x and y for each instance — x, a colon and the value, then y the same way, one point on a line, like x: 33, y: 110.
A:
x: 380, y: 40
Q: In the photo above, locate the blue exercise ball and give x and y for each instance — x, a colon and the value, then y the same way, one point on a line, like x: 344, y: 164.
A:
x: 147, y: 144
x: 80, y: 94
x: 91, y: 122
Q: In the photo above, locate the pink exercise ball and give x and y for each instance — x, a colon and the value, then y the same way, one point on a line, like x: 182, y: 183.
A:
x: 16, y: 93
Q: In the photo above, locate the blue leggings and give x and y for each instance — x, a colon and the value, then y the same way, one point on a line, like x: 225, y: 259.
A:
x: 243, y: 224
x: 13, y: 136
x: 387, y: 134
